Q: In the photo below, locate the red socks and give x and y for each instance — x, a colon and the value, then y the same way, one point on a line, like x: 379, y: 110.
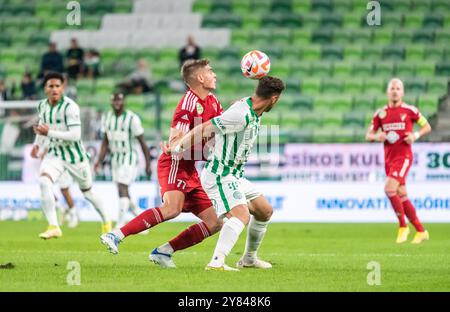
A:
x: 149, y: 218
x: 397, y: 205
x: 410, y: 212
x: 191, y: 236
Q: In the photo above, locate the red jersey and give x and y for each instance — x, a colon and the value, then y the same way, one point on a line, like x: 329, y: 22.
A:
x: 395, y: 122
x: 190, y: 112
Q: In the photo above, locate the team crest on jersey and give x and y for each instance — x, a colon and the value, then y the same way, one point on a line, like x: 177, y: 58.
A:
x: 382, y: 114
x: 237, y: 195
x: 403, y: 117
x: 199, y: 108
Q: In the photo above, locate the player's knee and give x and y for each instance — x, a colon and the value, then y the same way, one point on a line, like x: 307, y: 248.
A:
x: 170, y: 210
x: 214, y: 226
x: 267, y: 214
x: 389, y: 190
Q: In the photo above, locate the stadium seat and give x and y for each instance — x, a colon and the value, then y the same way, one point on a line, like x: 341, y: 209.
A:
x: 260, y: 37
x: 374, y: 86
x: 342, y: 69
x: 405, y: 69
x: 291, y: 53
x: 322, y: 36
x: 414, y: 53
x: 394, y: 53
x: 230, y: 54
x: 201, y: 6
x: 301, y: 37
x: 311, y: 86
x: 281, y: 6
x: 311, y: 52
x: 341, y: 37
x: 300, y: 70
x: 440, y: 5
x: 322, y: 5
x: 251, y: 21
x: 361, y: 36
x: 382, y: 35
x: 272, y: 20
x: 438, y: 86
x: 364, y: 102
x: 362, y: 69
x: 321, y: 69
x: 302, y: 102
x: 373, y: 52
x: 428, y: 103
x: 353, y: 85
x: 331, y: 20
x: 352, y: 20
x: 311, y: 20
x: 413, y: 20
x: 442, y: 37
x: 281, y: 37
x: 433, y: 20
x: 354, y: 118
x: 415, y: 85
x: 353, y: 52
x: 391, y: 19
x: 331, y: 86
x: 425, y: 69
x: 403, y: 36
x: 292, y: 84
x: 241, y: 7
x: 443, y: 68
x: 425, y: 36
x: 221, y: 6
x: 435, y: 53
x: 421, y: 5
x: 383, y: 69
x: 292, y: 21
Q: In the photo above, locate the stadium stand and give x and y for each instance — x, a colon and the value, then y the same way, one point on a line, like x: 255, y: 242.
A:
x: 335, y: 65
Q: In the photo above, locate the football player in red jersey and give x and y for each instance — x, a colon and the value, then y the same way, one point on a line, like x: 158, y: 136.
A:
x: 180, y: 185
x: 396, y: 121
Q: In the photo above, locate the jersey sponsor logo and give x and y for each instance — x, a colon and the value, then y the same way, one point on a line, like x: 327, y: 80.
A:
x: 382, y: 114
x: 392, y: 137
x: 219, y: 123
x: 199, y: 108
x: 394, y: 126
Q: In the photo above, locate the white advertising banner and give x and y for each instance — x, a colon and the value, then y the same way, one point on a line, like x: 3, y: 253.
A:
x: 361, y: 162
x: 292, y: 202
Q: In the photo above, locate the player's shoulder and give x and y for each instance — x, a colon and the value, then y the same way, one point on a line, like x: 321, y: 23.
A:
x: 71, y: 104
x: 188, y: 101
x: 213, y: 97
x: 410, y: 108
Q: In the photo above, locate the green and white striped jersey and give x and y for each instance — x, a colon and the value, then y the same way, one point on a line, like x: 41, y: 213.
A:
x: 121, y: 132
x: 238, y: 128
x: 61, y: 117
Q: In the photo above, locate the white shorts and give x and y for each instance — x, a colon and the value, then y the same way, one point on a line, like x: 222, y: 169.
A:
x: 65, y: 180
x: 55, y: 167
x: 124, y: 174
x: 227, y: 192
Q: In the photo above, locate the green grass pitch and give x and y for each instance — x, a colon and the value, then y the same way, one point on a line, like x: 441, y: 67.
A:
x: 305, y: 257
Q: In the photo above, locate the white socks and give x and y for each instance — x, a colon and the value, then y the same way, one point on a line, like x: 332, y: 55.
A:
x: 95, y: 201
x: 256, y: 231
x: 124, y: 205
x: 166, y: 248
x: 48, y: 200
x: 227, y: 239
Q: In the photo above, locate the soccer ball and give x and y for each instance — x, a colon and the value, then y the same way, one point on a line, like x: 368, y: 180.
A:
x: 255, y: 64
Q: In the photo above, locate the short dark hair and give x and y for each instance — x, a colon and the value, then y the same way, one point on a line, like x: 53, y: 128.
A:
x: 190, y: 67
x: 269, y: 86
x: 53, y: 75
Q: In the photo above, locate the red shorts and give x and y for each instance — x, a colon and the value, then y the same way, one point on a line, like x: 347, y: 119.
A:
x: 174, y: 176
x: 398, y: 169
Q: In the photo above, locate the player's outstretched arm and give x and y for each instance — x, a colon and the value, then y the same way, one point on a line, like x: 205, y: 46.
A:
x: 197, y: 134
x: 73, y: 134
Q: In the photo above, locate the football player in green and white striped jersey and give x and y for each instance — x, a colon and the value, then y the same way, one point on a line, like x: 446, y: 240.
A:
x: 59, y: 120
x: 122, y: 128
x: 233, y: 196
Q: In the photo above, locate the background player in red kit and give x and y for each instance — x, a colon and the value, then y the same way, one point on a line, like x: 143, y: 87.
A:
x: 396, y: 121
x: 181, y: 189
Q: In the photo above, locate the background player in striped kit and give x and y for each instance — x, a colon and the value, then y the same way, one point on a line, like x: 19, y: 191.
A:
x: 68, y: 214
x: 59, y: 120
x: 396, y: 121
x: 121, y: 128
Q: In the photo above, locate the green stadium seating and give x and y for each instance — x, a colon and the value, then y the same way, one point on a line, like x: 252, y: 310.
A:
x: 331, y: 20
x: 322, y: 36
x: 413, y: 20
x: 391, y: 19
x: 281, y: 37
x: 362, y: 69
x: 415, y: 85
x: 383, y: 69
x: 394, y: 53
x: 374, y: 86
x: 414, y: 53
x: 311, y: 52
x: 403, y: 36
x: 281, y: 6
x: 321, y: 69
x: 353, y: 52
x: 424, y: 35
x: 437, y: 86
x: 443, y: 68
x: 331, y: 86
x: 353, y: 85
x: 425, y: 69
x: 221, y: 6
x: 322, y: 5
x: 403, y: 69
x: 311, y: 86
x: 302, y: 102
x: 382, y: 35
